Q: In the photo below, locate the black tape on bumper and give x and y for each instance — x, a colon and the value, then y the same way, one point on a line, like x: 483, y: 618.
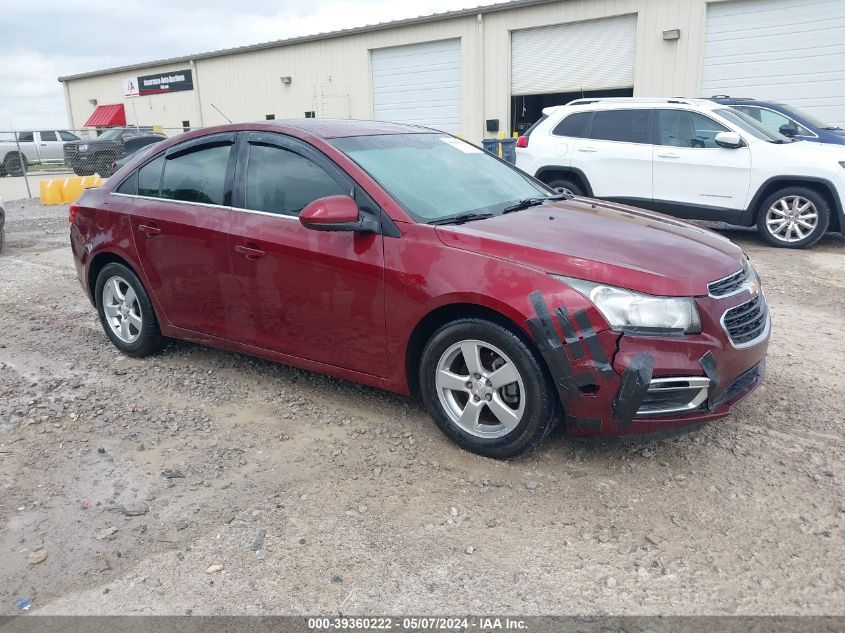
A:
x: 589, y: 337
x: 632, y: 389
x: 547, y: 339
x: 576, y: 347
x: 708, y: 364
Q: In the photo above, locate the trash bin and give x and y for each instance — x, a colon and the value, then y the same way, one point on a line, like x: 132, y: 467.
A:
x: 491, y: 145
x: 509, y: 150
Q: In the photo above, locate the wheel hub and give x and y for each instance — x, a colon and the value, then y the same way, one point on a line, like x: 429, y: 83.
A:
x: 480, y: 388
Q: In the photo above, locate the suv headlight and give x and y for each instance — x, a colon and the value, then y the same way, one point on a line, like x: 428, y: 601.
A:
x: 624, y: 308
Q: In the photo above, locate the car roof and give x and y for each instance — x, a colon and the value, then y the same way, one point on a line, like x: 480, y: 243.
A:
x: 336, y: 128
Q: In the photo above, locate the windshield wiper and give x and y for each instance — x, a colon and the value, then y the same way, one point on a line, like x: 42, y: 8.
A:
x: 832, y: 127
x: 460, y: 219
x: 531, y: 202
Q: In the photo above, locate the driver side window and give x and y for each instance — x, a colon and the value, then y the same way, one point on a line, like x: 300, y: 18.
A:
x: 284, y: 182
x: 681, y: 128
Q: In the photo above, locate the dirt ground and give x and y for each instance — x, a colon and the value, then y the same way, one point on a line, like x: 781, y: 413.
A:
x: 140, y: 478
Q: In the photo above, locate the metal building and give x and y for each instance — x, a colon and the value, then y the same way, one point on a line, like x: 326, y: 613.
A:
x: 490, y: 70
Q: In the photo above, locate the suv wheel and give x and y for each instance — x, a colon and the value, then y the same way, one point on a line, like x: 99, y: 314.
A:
x: 486, y: 389
x: 794, y: 217
x: 566, y: 185
x: 15, y: 164
x: 126, y: 313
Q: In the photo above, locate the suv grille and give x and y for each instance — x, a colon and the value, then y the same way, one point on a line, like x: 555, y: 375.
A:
x: 728, y: 285
x: 747, y: 321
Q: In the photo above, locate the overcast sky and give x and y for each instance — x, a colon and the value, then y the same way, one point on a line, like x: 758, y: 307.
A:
x: 43, y: 39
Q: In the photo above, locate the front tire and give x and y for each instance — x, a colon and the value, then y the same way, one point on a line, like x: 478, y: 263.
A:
x: 486, y: 389
x: 793, y: 217
x: 568, y: 186
x: 126, y: 313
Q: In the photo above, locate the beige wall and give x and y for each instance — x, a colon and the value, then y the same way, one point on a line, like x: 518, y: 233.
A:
x: 332, y: 76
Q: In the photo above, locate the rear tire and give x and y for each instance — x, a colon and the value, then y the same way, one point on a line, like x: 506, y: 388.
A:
x: 126, y: 313
x: 499, y: 402
x: 15, y: 164
x: 568, y: 185
x: 83, y: 172
x: 793, y: 217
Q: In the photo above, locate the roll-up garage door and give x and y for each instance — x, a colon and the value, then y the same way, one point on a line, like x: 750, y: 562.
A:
x: 591, y: 55
x: 779, y: 50
x: 419, y: 84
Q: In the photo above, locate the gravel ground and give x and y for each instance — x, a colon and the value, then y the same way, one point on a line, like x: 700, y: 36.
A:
x: 207, y: 482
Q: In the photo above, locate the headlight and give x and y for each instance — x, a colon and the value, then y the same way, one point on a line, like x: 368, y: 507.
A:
x: 82, y: 148
x: 624, y: 308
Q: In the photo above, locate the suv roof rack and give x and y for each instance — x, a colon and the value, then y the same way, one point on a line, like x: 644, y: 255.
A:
x: 730, y: 97
x: 587, y: 100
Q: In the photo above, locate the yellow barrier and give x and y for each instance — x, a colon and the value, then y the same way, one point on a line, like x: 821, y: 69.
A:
x: 65, y: 190
x: 51, y: 191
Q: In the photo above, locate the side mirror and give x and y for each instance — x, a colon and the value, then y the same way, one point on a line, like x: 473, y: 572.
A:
x: 335, y: 213
x: 729, y: 140
x: 788, y: 129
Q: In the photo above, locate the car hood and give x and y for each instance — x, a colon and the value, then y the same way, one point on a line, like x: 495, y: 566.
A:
x: 604, y: 242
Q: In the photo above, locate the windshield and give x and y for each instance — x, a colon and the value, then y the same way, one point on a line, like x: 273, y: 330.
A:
x: 435, y: 176
x: 110, y: 135
x: 752, y: 126
x: 808, y: 118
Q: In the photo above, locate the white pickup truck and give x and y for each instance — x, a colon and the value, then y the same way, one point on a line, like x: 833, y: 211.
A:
x: 46, y: 146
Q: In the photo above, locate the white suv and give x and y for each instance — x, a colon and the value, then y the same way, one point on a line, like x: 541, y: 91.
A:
x: 690, y: 158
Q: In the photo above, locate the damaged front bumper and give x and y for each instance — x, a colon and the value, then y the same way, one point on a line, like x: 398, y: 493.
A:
x: 613, y: 384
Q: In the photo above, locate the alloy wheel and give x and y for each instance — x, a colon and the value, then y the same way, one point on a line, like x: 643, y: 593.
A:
x: 792, y: 219
x: 480, y: 389
x: 122, y: 309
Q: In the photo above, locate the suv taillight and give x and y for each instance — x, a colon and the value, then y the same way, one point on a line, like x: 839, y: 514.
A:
x: 72, y: 212
x: 522, y: 141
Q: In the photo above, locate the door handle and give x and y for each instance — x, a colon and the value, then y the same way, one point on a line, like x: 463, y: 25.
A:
x: 587, y: 149
x: 250, y: 252
x: 150, y: 230
x: 669, y: 155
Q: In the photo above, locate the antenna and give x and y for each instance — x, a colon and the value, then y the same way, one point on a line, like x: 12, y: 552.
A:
x: 221, y: 114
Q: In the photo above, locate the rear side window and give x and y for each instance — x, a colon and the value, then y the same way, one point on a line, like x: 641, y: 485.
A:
x: 149, y: 178
x: 197, y: 176
x: 625, y: 126
x: 283, y: 182
x: 574, y: 125
x: 48, y: 136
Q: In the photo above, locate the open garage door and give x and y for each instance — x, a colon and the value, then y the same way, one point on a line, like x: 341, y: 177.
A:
x: 419, y: 84
x: 552, y: 65
x: 779, y: 50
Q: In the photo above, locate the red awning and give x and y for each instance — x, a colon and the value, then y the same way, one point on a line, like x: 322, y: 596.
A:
x: 107, y: 116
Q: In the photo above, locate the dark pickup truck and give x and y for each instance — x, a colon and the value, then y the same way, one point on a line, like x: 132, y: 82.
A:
x: 97, y: 155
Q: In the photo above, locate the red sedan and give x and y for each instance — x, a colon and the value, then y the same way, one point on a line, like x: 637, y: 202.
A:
x: 407, y: 259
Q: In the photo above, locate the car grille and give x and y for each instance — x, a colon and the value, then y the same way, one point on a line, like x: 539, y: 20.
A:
x: 746, y: 322
x: 71, y: 151
x: 728, y: 285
